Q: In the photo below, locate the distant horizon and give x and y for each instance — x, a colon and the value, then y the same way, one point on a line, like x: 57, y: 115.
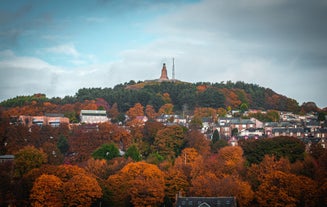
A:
x: 58, y: 47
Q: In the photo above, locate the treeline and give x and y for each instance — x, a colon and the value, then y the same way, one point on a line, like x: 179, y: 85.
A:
x: 182, y: 95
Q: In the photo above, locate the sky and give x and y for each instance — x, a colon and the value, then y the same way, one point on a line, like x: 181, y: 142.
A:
x: 58, y: 47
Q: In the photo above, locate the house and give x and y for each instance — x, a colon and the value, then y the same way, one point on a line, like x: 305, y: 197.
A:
x: 321, y: 133
x: 206, y: 202
x: 93, y: 116
x: 172, y: 118
x: 53, y: 120
x: 6, y: 158
x: 251, y: 132
x: 242, y: 124
x: 291, y: 132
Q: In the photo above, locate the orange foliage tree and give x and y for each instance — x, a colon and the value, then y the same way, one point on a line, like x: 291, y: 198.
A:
x: 201, y: 112
x: 208, y: 184
x: 176, y: 182
x: 166, y: 109
x: 150, y: 112
x: 195, y: 139
x: 47, y: 191
x: 81, y: 190
x: 168, y: 141
x: 135, y: 111
x: 285, y: 189
x: 143, y: 183
x: 231, y: 160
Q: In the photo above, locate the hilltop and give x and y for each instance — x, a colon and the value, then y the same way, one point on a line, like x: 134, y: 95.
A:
x: 181, y: 94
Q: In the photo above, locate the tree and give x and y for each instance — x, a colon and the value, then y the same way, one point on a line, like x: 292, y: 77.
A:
x: 98, y: 167
x: 150, y: 112
x: 234, y: 132
x: 143, y: 183
x: 195, y: 139
x: 257, y: 173
x: 221, y: 112
x: 106, y: 151
x: 62, y: 144
x: 47, y: 191
x: 166, y: 109
x: 27, y: 159
x: 133, y: 153
x: 168, y: 141
x: 290, y: 147
x: 285, y: 189
x: 53, y: 153
x: 226, y: 186
x: 231, y: 160
x: 175, y: 182
x: 135, y: 111
x: 81, y: 190
x: 215, y: 136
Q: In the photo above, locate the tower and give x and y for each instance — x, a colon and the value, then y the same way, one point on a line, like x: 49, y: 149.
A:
x: 163, y: 76
x: 173, y: 77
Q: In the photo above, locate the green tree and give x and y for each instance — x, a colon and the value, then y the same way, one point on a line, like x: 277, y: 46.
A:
x: 215, y: 137
x: 62, y: 144
x: 133, y: 153
x: 289, y: 147
x: 106, y: 151
x: 244, y: 107
x: 234, y: 132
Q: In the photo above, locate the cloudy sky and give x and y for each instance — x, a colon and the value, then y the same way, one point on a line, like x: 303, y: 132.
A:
x: 57, y: 47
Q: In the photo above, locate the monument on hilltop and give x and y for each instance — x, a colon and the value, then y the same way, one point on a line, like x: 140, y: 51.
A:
x: 164, y: 76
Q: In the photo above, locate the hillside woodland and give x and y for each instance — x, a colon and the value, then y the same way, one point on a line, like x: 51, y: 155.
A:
x: 128, y: 163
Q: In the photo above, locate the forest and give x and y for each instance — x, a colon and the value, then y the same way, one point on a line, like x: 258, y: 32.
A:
x: 148, y: 164
x: 184, y: 96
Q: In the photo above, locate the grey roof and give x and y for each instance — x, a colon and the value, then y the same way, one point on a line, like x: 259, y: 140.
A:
x: 287, y: 130
x: 206, y: 202
x: 7, y: 157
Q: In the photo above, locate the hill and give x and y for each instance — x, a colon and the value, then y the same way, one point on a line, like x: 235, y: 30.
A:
x: 182, y: 95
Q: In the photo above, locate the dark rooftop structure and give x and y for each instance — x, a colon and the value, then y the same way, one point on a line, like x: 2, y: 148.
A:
x: 206, y: 202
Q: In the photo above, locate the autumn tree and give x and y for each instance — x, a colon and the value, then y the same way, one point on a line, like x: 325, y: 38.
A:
x: 47, y: 191
x: 166, y: 109
x: 285, y: 189
x: 28, y: 158
x: 256, y: 173
x: 98, y: 167
x: 150, y: 112
x: 135, y: 111
x: 143, y: 183
x: 195, y: 139
x: 81, y: 190
x: 168, y: 141
x: 222, y: 187
x: 175, y: 182
x: 53, y: 153
x: 231, y: 160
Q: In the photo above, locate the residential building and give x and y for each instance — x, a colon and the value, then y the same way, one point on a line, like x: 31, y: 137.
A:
x: 206, y: 202
x: 93, y: 116
x: 53, y: 120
